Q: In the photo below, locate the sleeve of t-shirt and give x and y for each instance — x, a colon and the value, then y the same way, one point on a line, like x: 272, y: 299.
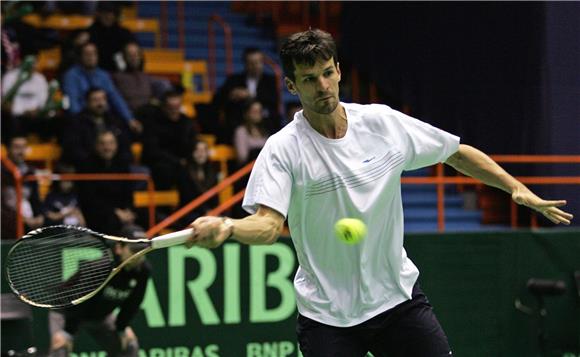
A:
x: 270, y: 182
x: 426, y: 145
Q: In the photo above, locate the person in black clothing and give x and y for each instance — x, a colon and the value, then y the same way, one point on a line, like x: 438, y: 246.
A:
x: 200, y: 176
x: 109, y: 36
x: 168, y: 138
x: 79, y: 136
x: 61, y: 205
x: 31, y: 205
x: 125, y: 291
x: 107, y: 205
x: 238, y: 88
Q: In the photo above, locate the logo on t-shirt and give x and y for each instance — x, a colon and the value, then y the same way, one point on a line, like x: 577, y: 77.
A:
x: 369, y: 160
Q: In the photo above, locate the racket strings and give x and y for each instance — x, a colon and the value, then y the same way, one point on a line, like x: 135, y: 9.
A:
x: 55, y: 269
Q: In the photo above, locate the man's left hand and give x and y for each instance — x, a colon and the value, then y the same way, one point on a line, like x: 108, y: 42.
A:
x: 549, y: 209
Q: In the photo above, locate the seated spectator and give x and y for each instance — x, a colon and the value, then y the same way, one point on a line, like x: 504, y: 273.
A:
x: 251, y: 136
x: 108, y: 35
x: 81, y: 77
x: 107, y: 205
x: 79, y: 136
x: 200, y: 176
x: 168, y: 138
x: 61, y: 205
x: 135, y: 85
x: 252, y: 83
x: 29, y: 39
x: 30, y: 208
x: 24, y: 95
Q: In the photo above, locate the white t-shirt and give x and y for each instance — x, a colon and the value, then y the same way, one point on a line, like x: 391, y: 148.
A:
x: 315, y: 181
x: 31, y: 95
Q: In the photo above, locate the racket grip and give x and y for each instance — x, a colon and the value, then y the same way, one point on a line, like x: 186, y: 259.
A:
x: 171, y: 239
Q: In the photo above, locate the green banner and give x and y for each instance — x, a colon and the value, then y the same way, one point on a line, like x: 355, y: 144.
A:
x: 239, y: 301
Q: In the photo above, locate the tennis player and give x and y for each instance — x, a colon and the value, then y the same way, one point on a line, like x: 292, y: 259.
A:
x: 111, y: 331
x: 337, y: 160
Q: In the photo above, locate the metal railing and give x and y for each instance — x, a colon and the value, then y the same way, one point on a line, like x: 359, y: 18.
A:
x: 439, y: 180
x: 278, y: 76
x: 19, y: 182
x: 228, y: 48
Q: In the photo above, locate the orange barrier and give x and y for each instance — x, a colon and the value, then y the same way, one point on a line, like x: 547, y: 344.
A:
x: 79, y: 177
x: 212, y: 48
x: 440, y: 180
x: 18, y: 187
x: 201, y: 199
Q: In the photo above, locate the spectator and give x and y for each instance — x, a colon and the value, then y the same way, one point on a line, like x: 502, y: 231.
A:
x: 79, y: 136
x: 81, y: 77
x: 168, y: 138
x: 29, y: 39
x: 61, y: 205
x: 108, y: 35
x: 252, y: 83
x: 200, y: 176
x: 30, y: 207
x: 107, y: 205
x: 251, y: 136
x: 135, y: 85
x: 24, y: 95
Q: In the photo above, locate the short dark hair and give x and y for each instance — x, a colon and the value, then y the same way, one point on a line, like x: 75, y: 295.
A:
x: 249, y: 51
x: 170, y: 93
x: 93, y: 90
x: 307, y: 48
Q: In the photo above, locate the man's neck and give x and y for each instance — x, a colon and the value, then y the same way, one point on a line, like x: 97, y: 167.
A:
x: 333, y: 125
x: 88, y: 69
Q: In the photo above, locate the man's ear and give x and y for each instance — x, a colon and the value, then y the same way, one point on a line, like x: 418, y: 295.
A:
x: 338, y: 70
x: 290, y: 85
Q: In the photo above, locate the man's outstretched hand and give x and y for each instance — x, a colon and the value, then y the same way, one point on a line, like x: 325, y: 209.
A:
x: 549, y: 209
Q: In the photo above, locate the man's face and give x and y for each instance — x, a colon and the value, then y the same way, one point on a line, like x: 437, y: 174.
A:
x: 255, y: 64
x: 316, y: 86
x: 133, y: 56
x: 200, y: 153
x: 106, y: 146
x: 107, y: 18
x: 89, y: 56
x: 97, y: 103
x: 17, y: 150
x: 254, y: 113
x: 172, y: 108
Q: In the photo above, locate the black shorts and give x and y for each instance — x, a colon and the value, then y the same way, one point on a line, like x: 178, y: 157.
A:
x: 410, y: 329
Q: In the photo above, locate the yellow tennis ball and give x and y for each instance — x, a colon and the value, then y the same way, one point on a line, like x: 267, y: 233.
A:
x: 350, y: 230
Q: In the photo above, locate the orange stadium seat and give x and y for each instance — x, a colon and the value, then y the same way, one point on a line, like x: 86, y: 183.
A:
x: 161, y: 198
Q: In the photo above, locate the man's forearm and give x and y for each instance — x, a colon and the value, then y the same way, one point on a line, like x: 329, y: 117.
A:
x: 474, y: 163
x: 256, y: 229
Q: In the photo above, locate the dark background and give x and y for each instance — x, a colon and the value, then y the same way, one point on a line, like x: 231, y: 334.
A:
x: 504, y: 76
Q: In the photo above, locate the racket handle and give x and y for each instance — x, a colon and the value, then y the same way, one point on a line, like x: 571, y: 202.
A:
x: 171, y: 239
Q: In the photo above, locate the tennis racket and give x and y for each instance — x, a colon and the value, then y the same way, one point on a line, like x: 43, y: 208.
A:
x: 61, y: 266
